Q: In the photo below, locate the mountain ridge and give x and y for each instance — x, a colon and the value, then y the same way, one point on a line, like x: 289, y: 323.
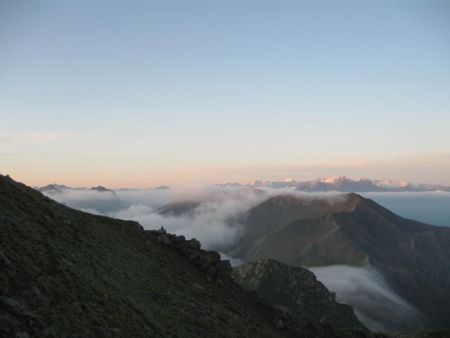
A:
x: 344, y: 184
x: 326, y: 184
x: 411, y: 255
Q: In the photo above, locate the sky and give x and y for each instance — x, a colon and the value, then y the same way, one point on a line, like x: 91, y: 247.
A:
x: 144, y: 93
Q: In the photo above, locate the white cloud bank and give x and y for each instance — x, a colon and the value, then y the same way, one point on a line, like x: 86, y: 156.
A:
x: 208, y: 222
x: 375, y: 303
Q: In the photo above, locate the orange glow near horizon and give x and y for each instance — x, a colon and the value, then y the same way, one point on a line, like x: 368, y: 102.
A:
x: 413, y: 169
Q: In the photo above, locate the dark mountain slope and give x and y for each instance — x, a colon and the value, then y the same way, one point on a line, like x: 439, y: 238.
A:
x: 276, y: 212
x: 351, y: 230
x: 68, y: 273
x: 414, y: 257
x: 298, y: 231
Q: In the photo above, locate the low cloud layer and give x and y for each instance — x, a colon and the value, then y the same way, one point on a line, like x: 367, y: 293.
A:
x: 208, y: 222
x: 375, y: 303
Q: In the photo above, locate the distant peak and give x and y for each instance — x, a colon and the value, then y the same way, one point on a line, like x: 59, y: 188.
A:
x: 353, y: 200
x: 345, y: 184
x: 53, y: 188
x: 5, y: 179
x: 101, y: 189
x: 162, y: 187
x: 333, y: 179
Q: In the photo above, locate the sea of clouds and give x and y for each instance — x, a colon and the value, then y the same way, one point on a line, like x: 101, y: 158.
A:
x: 211, y: 222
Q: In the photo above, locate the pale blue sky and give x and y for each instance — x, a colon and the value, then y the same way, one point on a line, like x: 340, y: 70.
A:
x: 143, y: 92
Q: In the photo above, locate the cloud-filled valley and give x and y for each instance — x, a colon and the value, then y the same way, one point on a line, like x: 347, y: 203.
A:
x: 208, y: 221
x: 209, y: 214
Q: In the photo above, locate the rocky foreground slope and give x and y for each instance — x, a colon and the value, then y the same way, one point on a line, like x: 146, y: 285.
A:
x: 295, y: 290
x: 351, y: 230
x: 65, y: 273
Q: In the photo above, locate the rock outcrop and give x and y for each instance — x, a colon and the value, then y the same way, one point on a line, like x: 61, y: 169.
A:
x: 206, y: 261
x: 296, y: 290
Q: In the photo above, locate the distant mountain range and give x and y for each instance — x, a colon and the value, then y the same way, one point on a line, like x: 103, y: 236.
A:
x: 333, y: 183
x: 59, y: 188
x: 343, y: 184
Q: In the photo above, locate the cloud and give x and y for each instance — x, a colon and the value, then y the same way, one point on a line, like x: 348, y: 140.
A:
x: 93, y: 201
x: 233, y: 261
x: 375, y: 303
x: 217, y: 204
x: 209, y: 222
